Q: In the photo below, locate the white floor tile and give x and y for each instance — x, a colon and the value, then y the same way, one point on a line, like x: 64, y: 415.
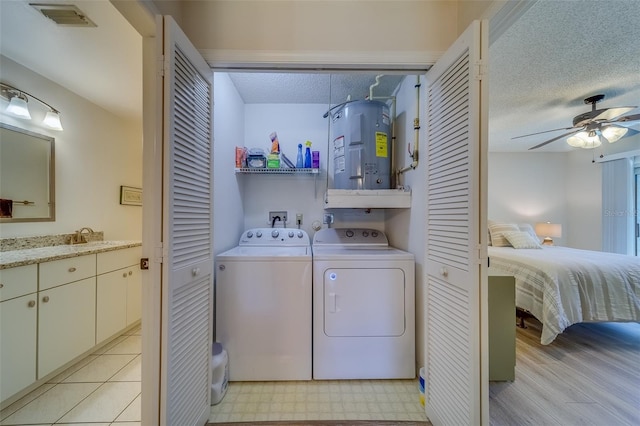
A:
x: 7, y: 411
x: 69, y: 371
x: 100, y: 369
x: 52, y: 405
x: 103, y: 349
x: 105, y: 404
x: 130, y: 345
x: 133, y: 413
x: 132, y: 372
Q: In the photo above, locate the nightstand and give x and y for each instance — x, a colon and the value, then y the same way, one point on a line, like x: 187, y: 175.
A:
x: 502, y: 328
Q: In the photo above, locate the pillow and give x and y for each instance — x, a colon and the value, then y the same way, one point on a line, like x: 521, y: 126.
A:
x: 525, y: 227
x: 521, y: 240
x: 496, y: 230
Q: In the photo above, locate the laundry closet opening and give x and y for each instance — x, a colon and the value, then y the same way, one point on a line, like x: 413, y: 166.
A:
x: 262, y: 122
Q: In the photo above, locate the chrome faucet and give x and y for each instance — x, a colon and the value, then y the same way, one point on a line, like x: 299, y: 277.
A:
x: 79, y: 236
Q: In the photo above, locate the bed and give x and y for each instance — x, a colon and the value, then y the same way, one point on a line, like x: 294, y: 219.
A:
x: 562, y: 286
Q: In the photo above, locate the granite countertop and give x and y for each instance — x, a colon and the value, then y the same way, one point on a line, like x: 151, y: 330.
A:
x: 13, y: 258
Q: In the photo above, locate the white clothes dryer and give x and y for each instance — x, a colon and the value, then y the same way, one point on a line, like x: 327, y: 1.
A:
x: 263, y: 305
x: 363, y: 306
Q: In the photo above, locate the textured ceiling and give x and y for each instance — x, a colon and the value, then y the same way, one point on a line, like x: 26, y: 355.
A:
x: 556, y: 55
x: 307, y: 88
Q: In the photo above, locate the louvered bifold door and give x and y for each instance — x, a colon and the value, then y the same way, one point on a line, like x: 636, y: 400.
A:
x: 187, y: 299
x: 453, y: 214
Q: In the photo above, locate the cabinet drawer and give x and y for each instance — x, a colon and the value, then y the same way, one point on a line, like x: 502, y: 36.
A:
x: 16, y: 282
x: 65, y: 271
x: 118, y: 259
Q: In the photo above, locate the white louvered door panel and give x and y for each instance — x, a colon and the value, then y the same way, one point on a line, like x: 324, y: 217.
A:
x: 455, y: 210
x: 187, y: 300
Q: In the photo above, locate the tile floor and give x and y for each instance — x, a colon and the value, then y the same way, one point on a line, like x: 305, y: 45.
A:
x: 104, y: 389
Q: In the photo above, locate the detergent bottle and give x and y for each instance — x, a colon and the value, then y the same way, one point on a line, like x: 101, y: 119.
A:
x: 307, y: 155
x: 299, y: 161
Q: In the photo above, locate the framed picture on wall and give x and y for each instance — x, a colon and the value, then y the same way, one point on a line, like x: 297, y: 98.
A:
x: 130, y: 196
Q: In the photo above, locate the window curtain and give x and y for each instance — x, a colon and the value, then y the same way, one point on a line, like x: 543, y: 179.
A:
x: 618, y: 225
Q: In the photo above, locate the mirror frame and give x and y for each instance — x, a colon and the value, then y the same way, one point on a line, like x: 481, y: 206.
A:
x: 52, y: 177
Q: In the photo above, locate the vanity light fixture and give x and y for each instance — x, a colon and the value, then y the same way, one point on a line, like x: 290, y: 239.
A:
x: 18, y: 106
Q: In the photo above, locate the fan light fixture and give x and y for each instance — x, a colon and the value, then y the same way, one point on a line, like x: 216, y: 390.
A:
x: 19, y: 107
x: 585, y: 140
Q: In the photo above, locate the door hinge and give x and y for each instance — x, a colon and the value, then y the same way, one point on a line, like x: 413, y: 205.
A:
x: 480, y: 69
x: 161, y: 66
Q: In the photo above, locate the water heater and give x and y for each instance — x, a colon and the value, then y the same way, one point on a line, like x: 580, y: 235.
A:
x: 361, y: 146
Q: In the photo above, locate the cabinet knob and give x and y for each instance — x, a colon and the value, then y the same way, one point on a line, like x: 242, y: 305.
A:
x: 195, y: 272
x: 1, y: 285
x: 45, y: 299
x: 130, y: 273
x: 72, y: 269
x: 31, y: 303
x: 124, y: 275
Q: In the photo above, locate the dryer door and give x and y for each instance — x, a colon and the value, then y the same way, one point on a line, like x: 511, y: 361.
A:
x: 364, y: 302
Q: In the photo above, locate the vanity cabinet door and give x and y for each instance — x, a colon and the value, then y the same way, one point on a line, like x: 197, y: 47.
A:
x: 111, y: 309
x: 17, y: 344
x: 66, y: 324
x: 134, y: 295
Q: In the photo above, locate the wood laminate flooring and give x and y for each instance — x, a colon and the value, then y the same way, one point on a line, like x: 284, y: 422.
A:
x: 589, y: 375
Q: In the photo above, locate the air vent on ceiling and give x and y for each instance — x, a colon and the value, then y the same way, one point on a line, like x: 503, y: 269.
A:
x: 66, y: 15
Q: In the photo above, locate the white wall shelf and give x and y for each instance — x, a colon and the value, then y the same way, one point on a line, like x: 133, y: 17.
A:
x: 281, y: 171
x: 368, y: 199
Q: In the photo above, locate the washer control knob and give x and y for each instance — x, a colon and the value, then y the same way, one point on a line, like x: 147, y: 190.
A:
x: 300, y: 234
x: 275, y: 234
x: 374, y: 234
x: 365, y: 233
x: 290, y: 234
x: 349, y: 233
x: 258, y: 234
x: 249, y: 234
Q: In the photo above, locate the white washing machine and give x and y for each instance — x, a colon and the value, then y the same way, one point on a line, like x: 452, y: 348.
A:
x: 263, y: 305
x: 363, y: 306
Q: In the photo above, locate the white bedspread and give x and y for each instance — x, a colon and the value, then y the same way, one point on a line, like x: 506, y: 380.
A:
x: 562, y: 286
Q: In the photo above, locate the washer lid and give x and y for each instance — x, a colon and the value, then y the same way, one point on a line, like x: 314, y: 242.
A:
x: 252, y: 251
x: 350, y: 237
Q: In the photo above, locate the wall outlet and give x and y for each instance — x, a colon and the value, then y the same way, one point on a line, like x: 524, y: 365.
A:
x: 277, y: 217
x: 299, y: 219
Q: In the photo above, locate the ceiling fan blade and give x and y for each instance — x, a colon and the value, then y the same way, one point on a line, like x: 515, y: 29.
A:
x: 611, y: 113
x: 627, y: 119
x: 555, y: 139
x: 546, y: 131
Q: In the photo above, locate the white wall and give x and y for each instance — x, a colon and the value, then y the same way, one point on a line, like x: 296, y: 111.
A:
x: 561, y: 188
x: 228, y: 131
x: 95, y: 154
x: 406, y: 227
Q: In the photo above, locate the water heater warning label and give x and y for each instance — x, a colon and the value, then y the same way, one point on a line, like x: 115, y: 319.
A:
x: 381, y: 144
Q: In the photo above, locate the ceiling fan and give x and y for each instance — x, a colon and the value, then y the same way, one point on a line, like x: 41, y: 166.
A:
x: 591, y: 128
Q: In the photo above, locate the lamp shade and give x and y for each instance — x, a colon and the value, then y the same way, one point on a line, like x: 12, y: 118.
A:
x: 613, y: 133
x: 52, y: 120
x: 548, y: 230
x: 585, y: 140
x: 18, y: 107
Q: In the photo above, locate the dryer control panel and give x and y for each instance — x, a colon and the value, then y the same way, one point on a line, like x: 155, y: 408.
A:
x: 289, y: 237
x: 350, y: 237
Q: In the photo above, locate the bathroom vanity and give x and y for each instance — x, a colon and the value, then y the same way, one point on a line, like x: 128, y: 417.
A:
x: 59, y: 303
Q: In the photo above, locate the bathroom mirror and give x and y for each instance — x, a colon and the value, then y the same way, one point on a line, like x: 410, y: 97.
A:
x: 27, y: 176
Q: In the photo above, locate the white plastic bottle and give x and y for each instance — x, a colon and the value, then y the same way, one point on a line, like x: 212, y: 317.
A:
x: 219, y: 372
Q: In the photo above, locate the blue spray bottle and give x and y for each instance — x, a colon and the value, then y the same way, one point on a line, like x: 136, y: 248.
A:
x: 299, y: 161
x: 307, y: 155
